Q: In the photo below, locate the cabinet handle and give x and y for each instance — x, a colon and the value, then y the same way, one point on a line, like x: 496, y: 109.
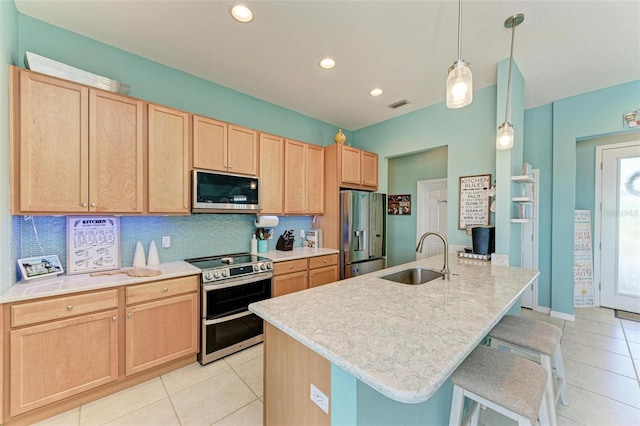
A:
x: 230, y: 167
x: 93, y: 204
x: 84, y: 204
x: 114, y: 318
x: 185, y: 207
x: 166, y: 289
x: 69, y: 307
x: 130, y: 315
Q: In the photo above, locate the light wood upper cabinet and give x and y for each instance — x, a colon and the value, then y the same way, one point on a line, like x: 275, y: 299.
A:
x: 49, y: 144
x: 116, y: 150
x: 243, y: 151
x: 224, y: 147
x: 303, y: 178
x: 74, y: 149
x: 209, y: 143
x: 358, y: 168
x: 271, y: 174
x: 168, y: 160
x: 53, y: 361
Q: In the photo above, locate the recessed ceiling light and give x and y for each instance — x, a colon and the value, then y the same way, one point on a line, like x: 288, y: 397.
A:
x: 327, y: 63
x: 376, y: 92
x: 242, y: 13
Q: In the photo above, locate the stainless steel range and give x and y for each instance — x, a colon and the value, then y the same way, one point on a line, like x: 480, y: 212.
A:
x: 229, y: 284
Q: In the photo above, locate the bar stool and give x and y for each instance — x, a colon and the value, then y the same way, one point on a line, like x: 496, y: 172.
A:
x: 509, y: 384
x: 541, y: 341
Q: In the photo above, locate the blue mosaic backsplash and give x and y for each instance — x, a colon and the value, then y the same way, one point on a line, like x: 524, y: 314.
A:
x: 191, y: 236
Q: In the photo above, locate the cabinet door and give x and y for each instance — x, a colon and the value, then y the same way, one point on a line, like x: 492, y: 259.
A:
x: 323, y: 276
x: 370, y: 170
x: 289, y: 283
x: 116, y: 130
x: 314, y: 180
x: 49, y: 144
x: 271, y: 174
x: 294, y: 177
x: 168, y: 154
x: 160, y: 331
x: 243, y: 151
x: 350, y: 172
x: 209, y: 144
x: 53, y: 361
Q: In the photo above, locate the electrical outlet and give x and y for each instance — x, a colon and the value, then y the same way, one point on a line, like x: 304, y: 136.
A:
x: 302, y: 233
x: 166, y: 241
x: 319, y: 398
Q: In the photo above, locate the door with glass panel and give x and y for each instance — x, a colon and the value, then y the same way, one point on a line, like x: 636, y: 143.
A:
x: 620, y: 228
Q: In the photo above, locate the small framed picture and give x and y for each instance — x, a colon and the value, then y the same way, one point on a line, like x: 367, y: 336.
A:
x: 40, y: 267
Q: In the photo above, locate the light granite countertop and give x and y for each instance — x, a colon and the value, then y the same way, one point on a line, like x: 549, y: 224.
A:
x: 402, y: 340
x: 297, y: 253
x: 66, y: 284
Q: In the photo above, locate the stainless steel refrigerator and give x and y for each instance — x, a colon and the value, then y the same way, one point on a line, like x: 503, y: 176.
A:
x: 362, y: 233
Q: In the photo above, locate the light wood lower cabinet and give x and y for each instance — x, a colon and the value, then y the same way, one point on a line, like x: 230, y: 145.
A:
x: 60, y: 352
x: 160, y: 331
x: 300, y: 274
x: 52, y: 361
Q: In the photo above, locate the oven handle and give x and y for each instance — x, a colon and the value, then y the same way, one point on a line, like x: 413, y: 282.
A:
x: 227, y: 318
x: 233, y: 282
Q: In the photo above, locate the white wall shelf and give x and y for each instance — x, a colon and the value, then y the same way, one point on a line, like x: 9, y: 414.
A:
x: 526, y: 202
x: 523, y: 179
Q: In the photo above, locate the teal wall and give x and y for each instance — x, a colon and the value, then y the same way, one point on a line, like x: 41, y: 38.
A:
x: 538, y: 152
x: 404, y: 172
x: 192, y: 236
x: 585, y: 116
x: 8, y: 54
x: 468, y: 133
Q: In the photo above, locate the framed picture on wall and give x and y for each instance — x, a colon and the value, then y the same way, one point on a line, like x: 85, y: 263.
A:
x: 93, y: 244
x: 473, y: 200
x: 399, y: 204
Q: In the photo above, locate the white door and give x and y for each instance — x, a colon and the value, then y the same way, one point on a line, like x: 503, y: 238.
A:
x: 620, y: 228
x: 431, y: 215
x: 529, y: 243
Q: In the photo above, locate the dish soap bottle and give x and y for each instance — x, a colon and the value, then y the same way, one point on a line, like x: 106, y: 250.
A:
x: 254, y: 245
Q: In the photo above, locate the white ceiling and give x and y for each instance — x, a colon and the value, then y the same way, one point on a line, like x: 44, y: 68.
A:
x: 563, y: 48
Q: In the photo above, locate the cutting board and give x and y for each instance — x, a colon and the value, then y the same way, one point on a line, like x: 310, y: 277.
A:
x: 135, y: 272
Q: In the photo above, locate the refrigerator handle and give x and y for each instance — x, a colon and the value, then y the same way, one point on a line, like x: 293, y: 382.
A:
x: 361, y: 240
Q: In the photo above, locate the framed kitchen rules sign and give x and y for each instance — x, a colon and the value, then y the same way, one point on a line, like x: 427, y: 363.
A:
x: 474, y: 201
x: 93, y: 244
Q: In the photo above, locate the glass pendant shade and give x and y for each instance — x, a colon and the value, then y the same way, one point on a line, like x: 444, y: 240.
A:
x: 459, y: 84
x: 505, y: 135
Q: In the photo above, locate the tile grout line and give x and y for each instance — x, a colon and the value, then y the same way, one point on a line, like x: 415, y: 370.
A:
x: 170, y: 401
x: 633, y: 361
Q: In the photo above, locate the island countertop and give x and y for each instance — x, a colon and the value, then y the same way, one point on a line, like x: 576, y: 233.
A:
x: 402, y: 340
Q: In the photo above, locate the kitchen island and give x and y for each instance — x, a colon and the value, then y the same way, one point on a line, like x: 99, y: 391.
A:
x: 388, y: 349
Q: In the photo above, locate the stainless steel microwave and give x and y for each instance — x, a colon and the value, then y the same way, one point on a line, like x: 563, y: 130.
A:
x: 224, y: 193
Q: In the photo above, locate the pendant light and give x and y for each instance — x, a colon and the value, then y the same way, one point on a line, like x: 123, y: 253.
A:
x: 459, y: 79
x: 505, y: 135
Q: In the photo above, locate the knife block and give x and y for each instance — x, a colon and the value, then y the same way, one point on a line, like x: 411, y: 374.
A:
x: 284, y: 245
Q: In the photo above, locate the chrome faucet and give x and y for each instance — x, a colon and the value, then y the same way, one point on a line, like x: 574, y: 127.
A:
x: 445, y: 268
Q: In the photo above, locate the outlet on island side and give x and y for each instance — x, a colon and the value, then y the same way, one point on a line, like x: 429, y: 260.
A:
x: 166, y: 241
x: 320, y: 399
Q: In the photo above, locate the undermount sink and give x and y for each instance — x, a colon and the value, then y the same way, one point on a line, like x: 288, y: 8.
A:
x: 413, y: 276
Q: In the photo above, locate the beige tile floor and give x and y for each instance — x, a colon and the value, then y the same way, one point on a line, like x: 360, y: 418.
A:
x: 601, y: 355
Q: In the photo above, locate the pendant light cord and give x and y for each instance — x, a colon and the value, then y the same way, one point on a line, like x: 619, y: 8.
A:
x: 513, y: 35
x: 459, y: 29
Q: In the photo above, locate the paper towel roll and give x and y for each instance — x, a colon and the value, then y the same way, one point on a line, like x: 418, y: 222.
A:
x: 266, y: 221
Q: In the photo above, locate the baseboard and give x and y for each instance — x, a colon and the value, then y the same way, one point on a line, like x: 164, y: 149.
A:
x: 543, y: 309
x: 562, y: 315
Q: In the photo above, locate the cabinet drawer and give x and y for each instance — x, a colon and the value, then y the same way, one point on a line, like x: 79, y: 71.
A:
x: 290, y: 283
x: 161, y: 289
x: 321, y: 261
x: 322, y: 276
x: 289, y: 266
x: 62, y: 307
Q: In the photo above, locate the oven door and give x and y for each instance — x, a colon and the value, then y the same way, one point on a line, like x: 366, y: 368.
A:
x: 227, y: 324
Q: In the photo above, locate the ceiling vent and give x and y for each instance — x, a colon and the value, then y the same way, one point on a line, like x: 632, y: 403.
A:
x: 399, y: 104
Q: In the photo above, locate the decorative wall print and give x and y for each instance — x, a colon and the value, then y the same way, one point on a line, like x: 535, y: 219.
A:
x: 473, y: 200
x: 631, y: 119
x: 399, y: 204
x: 40, y: 267
x: 93, y: 244
x: 583, y: 290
